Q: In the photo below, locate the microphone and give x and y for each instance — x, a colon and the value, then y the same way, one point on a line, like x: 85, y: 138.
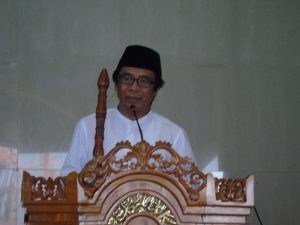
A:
x: 132, y: 107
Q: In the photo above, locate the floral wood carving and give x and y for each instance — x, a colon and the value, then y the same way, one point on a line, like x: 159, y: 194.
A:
x: 49, y: 189
x: 142, y: 156
x: 230, y: 190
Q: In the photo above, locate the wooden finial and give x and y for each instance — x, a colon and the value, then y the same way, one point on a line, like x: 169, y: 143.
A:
x: 103, y: 83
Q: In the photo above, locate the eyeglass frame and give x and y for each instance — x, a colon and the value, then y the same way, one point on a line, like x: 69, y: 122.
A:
x: 137, y: 80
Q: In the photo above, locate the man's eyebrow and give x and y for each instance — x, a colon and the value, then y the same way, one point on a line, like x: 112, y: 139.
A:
x: 140, y: 75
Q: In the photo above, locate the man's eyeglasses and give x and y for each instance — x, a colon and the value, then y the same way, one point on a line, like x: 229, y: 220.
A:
x: 142, y: 81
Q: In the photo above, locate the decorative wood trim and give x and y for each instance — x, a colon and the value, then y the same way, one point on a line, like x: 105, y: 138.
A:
x: 231, y: 190
x: 40, y: 189
x: 142, y: 156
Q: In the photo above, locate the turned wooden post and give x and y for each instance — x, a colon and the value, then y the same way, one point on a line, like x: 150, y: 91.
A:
x: 103, y: 84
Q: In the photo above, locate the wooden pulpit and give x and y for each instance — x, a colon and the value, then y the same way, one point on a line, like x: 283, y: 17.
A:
x: 147, y: 185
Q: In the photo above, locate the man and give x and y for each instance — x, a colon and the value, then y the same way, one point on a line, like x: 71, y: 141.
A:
x: 137, y: 80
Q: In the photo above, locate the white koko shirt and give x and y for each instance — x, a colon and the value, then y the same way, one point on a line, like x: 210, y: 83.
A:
x: 119, y: 128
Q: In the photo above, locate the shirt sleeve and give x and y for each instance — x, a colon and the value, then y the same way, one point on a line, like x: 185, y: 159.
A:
x: 182, y: 146
x: 76, y: 157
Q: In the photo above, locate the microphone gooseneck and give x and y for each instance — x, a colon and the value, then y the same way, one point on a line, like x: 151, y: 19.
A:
x: 132, y: 107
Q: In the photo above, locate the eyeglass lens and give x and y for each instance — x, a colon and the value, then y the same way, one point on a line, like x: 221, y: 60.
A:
x: 142, y: 81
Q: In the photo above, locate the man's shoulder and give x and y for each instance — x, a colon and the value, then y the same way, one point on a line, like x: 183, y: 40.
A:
x: 89, y: 117
x: 165, y: 121
x: 92, y: 117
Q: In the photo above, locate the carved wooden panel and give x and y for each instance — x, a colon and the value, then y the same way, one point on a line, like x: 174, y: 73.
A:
x: 231, y: 190
x: 143, y: 156
x: 50, y: 201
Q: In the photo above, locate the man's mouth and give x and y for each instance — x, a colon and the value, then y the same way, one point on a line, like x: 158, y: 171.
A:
x: 131, y: 99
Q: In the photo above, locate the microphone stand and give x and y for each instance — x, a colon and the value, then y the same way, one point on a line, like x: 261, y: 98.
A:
x: 137, y: 121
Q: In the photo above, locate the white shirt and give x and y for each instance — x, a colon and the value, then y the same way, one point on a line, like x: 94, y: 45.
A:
x: 119, y: 128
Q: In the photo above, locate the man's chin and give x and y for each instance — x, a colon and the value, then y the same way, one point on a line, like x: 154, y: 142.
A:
x: 134, y: 106
x: 134, y: 103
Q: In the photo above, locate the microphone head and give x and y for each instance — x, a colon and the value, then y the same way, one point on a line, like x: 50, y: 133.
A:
x: 132, y: 107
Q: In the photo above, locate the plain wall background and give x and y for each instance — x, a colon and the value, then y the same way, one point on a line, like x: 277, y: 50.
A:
x: 232, y: 77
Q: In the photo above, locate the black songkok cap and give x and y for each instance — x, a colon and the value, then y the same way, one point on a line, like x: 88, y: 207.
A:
x: 140, y: 57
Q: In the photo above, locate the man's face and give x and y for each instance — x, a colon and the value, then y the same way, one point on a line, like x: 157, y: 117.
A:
x: 133, y: 95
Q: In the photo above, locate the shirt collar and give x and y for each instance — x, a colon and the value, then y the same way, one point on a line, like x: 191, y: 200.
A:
x: 129, y: 121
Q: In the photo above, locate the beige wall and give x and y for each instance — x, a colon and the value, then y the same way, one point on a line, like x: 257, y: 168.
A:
x: 231, y: 70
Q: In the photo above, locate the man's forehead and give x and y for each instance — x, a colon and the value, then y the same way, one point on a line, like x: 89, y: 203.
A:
x: 137, y: 71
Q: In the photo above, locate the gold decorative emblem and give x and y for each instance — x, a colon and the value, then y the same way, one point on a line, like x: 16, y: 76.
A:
x: 142, y: 203
x: 142, y: 156
x: 230, y: 190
